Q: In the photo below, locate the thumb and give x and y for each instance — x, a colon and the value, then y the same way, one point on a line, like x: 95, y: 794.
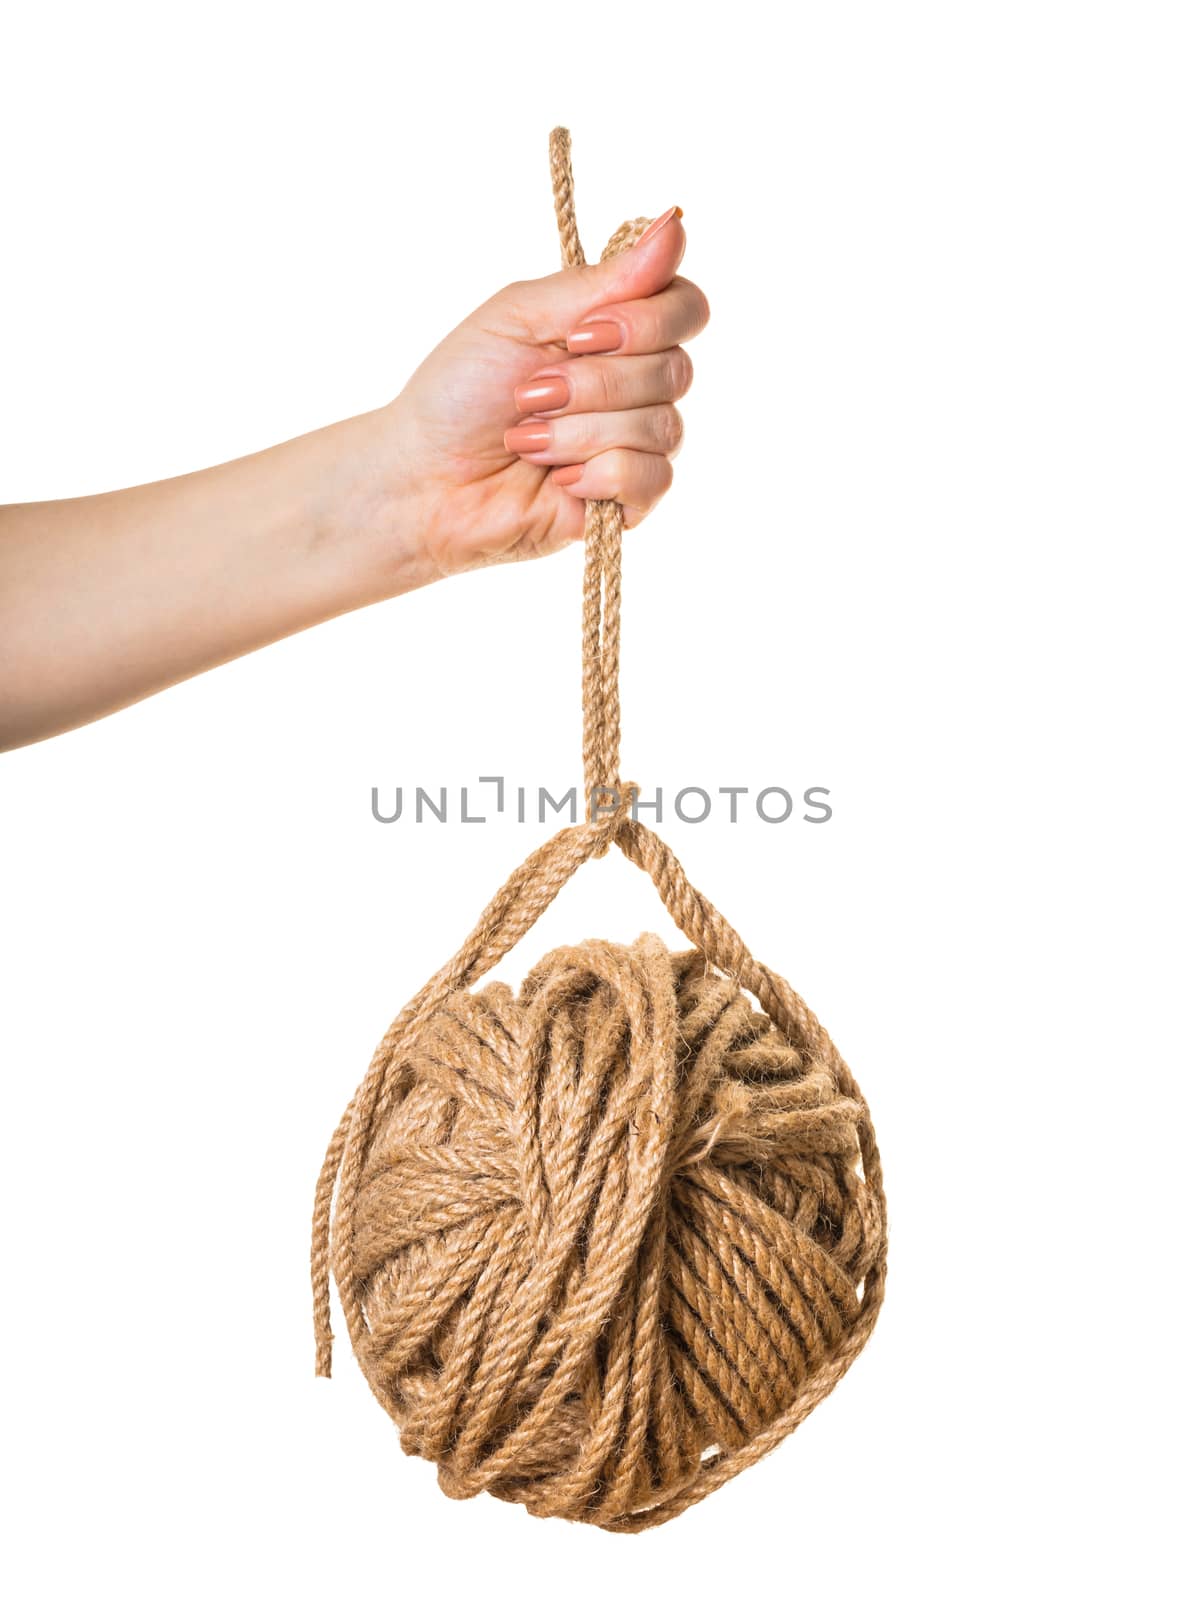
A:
x: 555, y: 304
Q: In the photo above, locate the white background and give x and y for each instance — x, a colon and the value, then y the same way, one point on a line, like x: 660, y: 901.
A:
x: 927, y: 546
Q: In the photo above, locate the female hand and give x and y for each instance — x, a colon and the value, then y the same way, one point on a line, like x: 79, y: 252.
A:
x: 554, y: 391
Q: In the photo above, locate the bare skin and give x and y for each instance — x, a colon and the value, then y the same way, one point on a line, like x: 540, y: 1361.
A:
x: 112, y: 597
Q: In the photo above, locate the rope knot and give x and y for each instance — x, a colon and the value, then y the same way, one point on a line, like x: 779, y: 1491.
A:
x: 608, y: 806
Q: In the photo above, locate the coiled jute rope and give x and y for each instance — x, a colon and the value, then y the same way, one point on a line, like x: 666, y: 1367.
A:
x: 603, y: 1243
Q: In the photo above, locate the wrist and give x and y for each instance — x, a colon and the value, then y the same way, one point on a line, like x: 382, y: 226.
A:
x: 366, y: 514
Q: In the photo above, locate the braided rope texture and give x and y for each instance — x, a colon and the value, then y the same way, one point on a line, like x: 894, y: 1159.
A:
x: 601, y: 1244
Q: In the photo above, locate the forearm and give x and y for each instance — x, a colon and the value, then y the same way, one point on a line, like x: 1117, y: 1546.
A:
x: 107, y: 599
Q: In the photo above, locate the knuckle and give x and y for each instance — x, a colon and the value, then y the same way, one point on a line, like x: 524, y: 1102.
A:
x: 650, y: 334
x: 604, y: 393
x: 669, y: 428
x: 621, y: 471
x: 680, y: 372
x: 582, y: 436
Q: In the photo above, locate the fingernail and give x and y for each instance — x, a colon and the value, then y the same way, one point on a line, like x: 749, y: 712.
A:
x: 594, y: 338
x: 527, y: 438
x: 665, y: 216
x: 567, y: 475
x: 542, y: 394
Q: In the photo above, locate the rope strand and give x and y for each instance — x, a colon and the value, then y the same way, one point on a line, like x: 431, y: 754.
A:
x: 602, y: 586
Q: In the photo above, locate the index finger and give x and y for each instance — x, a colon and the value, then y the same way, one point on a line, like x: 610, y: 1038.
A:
x: 642, y: 327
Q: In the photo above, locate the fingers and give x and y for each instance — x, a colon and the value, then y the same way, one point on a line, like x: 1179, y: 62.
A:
x: 607, y: 423
x: 565, y: 440
x: 607, y: 383
x: 634, y: 477
x: 635, y: 327
x: 549, y: 307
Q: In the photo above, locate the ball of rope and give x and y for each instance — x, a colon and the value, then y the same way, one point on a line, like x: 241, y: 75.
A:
x: 608, y: 1232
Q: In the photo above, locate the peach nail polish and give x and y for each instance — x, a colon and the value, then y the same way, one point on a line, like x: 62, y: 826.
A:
x: 594, y: 338
x: 527, y: 438
x: 665, y: 216
x: 567, y: 475
x: 542, y: 394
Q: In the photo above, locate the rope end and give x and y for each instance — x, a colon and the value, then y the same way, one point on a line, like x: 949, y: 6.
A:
x: 560, y: 161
